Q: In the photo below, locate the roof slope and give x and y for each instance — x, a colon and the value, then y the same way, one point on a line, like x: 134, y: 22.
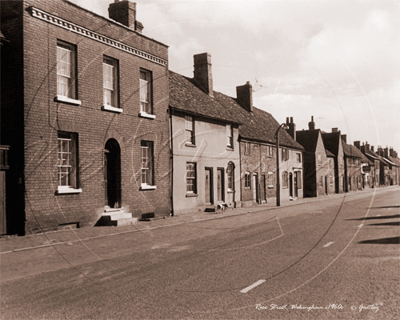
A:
x: 331, y: 141
x: 257, y: 125
x: 308, y: 139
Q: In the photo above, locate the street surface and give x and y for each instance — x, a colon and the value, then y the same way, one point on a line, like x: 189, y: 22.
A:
x: 333, y: 259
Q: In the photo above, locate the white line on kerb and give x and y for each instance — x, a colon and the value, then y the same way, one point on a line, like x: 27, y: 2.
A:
x: 328, y: 244
x: 255, y: 284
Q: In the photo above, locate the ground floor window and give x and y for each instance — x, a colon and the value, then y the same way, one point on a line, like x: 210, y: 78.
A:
x: 67, y: 160
x: 270, y: 180
x: 247, y: 181
x: 191, y: 183
x: 230, y: 175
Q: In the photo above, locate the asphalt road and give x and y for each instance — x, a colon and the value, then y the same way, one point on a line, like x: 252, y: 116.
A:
x: 336, y: 259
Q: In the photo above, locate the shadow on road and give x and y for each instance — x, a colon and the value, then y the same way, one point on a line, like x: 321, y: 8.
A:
x: 394, y: 223
x: 394, y: 240
x: 384, y: 207
x: 380, y: 217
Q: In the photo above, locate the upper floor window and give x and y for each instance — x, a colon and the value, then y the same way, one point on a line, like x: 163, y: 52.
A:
x: 229, y: 136
x: 247, y: 148
x: 247, y: 180
x: 146, y: 91
x: 298, y: 156
x: 110, y: 82
x: 66, y: 77
x: 189, y: 129
x: 285, y: 154
x: 67, y: 161
x: 269, y: 151
x: 284, y: 179
x: 230, y: 175
x: 147, y: 163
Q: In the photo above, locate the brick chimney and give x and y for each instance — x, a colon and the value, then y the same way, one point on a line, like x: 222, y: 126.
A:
x: 292, y: 127
x: 335, y: 130
x: 391, y: 152
x: 311, y: 124
x: 344, y: 137
x: 386, y: 152
x: 124, y: 11
x: 203, y: 72
x: 372, y: 148
x: 244, y: 95
x: 380, y: 151
x: 357, y: 144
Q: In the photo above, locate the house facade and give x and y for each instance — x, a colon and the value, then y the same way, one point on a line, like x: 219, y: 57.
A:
x: 318, y: 163
x: 85, y: 102
x: 205, y: 147
x: 352, y: 159
x: 333, y: 143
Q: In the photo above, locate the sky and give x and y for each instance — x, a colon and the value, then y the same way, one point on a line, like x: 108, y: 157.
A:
x: 338, y: 61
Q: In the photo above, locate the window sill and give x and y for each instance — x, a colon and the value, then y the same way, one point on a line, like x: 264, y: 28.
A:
x: 112, y: 109
x: 59, y: 98
x: 231, y: 191
x: 67, y: 190
x: 270, y: 187
x: 228, y: 148
x: 144, y: 187
x: 191, y: 195
x: 146, y: 115
x: 190, y: 145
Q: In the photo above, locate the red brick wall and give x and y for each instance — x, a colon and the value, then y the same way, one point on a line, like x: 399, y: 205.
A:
x: 43, y: 118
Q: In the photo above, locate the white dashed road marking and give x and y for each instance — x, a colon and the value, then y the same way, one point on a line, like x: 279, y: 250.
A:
x: 360, y: 225
x: 328, y: 244
x: 255, y: 284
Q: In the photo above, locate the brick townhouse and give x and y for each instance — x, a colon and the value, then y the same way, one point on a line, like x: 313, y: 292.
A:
x: 367, y: 167
x: 352, y: 169
x: 318, y: 162
x: 390, y: 169
x: 84, y: 109
x: 333, y: 143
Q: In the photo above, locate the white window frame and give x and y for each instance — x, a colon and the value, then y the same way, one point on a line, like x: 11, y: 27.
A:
x: 146, y: 94
x: 247, y: 148
x: 247, y: 180
x: 270, y: 180
x: 66, y: 73
x: 191, y: 177
x: 110, y: 85
x: 229, y: 136
x: 67, y: 163
x: 285, y: 154
x: 298, y: 157
x: 147, y: 165
x: 230, y: 174
x: 189, y: 131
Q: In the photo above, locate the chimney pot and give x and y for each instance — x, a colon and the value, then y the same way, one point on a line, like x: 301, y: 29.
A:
x: 311, y: 124
x: 344, y: 137
x: 125, y: 12
x: 203, y: 72
x: 292, y: 128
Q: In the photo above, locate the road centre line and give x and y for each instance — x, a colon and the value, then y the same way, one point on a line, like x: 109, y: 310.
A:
x: 328, y: 244
x: 255, y: 284
x: 360, y: 225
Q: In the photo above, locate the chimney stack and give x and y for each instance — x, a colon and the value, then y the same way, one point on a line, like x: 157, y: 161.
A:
x: 203, y: 72
x: 391, y: 152
x: 124, y: 12
x: 344, y: 137
x: 372, y: 148
x: 380, y: 151
x: 366, y: 146
x: 335, y: 130
x: 292, y: 127
x: 386, y: 152
x: 311, y: 124
x: 244, y: 95
x: 357, y: 144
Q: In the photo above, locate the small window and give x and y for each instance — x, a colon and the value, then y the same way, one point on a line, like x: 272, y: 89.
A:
x: 269, y: 151
x: 66, y: 75
x: 321, y: 182
x: 191, y: 184
x: 298, y: 177
x: 285, y: 154
x: 189, y: 129
x: 247, y: 148
x: 284, y: 179
x: 146, y: 91
x: 230, y: 175
x: 67, y: 160
x: 147, y: 163
x: 247, y: 180
x: 270, y: 180
x: 229, y: 136
x: 298, y: 156
x: 110, y: 82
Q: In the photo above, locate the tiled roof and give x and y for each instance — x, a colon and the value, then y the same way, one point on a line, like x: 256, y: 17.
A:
x: 351, y: 151
x: 329, y: 154
x: 308, y: 139
x: 257, y: 125
x: 331, y: 141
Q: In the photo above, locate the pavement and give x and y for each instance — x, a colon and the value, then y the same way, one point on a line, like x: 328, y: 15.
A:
x: 10, y: 244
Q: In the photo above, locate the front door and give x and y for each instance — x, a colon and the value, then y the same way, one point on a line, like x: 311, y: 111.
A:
x: 326, y: 184
x: 262, y: 189
x: 113, y: 173
x: 291, y: 185
x: 255, y: 187
x: 208, y: 186
x: 295, y: 184
x: 220, y: 184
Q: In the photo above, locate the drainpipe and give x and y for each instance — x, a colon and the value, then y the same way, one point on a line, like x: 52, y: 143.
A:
x: 172, y: 161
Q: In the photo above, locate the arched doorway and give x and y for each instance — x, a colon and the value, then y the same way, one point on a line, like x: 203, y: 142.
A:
x: 112, y: 174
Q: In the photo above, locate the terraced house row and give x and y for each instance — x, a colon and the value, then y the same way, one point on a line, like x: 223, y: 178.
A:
x: 96, y: 130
